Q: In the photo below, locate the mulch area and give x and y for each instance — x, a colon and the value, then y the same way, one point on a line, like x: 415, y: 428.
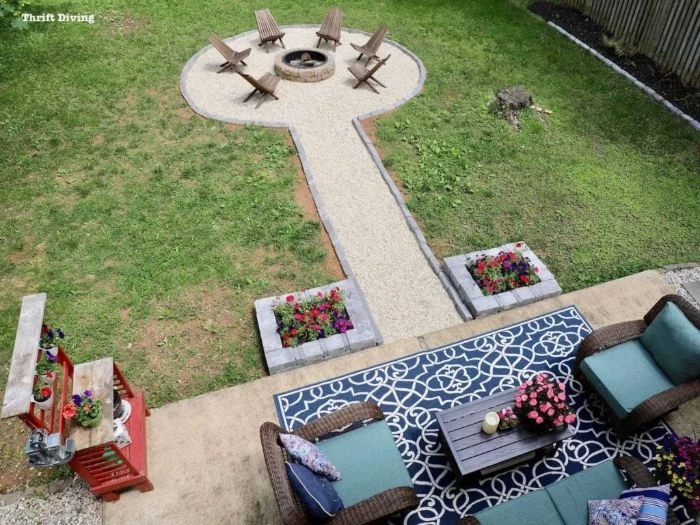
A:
x: 667, y: 84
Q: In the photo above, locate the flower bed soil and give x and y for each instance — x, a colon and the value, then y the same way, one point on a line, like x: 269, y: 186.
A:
x: 643, y: 68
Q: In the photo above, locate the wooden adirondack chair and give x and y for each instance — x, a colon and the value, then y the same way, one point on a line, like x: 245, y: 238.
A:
x: 267, y: 28
x: 265, y: 85
x: 330, y: 30
x: 233, y: 58
x: 364, y: 75
x: 372, y: 46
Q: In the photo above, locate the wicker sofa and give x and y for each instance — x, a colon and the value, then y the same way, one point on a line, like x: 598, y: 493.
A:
x: 644, y: 392
x: 565, y: 502
x: 375, y: 483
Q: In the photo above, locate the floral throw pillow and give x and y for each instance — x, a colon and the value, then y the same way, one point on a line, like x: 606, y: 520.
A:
x: 310, y: 456
x: 614, y: 511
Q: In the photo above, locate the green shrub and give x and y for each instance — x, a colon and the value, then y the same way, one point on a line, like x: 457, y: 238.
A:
x: 11, y: 10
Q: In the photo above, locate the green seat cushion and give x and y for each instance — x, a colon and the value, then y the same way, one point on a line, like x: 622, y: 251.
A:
x: 534, y: 508
x: 674, y: 342
x: 571, y: 495
x: 625, y: 375
x: 368, y: 461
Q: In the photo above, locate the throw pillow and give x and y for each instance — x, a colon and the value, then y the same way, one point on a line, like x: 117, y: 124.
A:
x: 316, y: 493
x: 654, y: 509
x: 614, y: 511
x: 309, y: 455
x: 674, y: 342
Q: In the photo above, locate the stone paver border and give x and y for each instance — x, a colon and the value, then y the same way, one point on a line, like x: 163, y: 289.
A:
x: 279, y: 359
x: 481, y: 304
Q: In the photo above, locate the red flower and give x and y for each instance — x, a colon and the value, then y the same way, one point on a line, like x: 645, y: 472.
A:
x: 290, y: 298
x: 537, y: 269
x: 518, y: 245
x: 524, y: 278
x: 69, y: 411
x: 293, y: 331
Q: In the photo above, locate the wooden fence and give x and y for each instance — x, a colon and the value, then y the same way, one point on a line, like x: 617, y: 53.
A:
x: 666, y: 30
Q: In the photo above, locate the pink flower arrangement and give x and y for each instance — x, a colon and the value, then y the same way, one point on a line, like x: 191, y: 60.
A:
x: 541, y: 402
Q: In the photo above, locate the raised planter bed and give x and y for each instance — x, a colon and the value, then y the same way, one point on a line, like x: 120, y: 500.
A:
x: 279, y: 359
x: 481, y: 304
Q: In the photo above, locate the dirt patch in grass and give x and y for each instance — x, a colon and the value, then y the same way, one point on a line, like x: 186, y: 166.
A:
x: 116, y: 23
x: 30, y: 253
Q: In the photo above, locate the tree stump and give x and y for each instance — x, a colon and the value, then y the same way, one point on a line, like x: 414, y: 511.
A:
x: 511, y: 101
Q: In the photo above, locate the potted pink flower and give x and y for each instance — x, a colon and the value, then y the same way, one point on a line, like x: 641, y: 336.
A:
x: 540, y: 404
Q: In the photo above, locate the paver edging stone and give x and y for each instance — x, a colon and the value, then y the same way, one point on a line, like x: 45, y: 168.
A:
x: 279, y: 359
x: 481, y: 304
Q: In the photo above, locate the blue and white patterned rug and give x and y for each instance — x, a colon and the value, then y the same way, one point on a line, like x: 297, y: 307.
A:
x: 412, y: 389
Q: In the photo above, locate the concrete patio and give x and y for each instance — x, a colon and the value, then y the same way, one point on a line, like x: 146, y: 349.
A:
x: 205, y: 459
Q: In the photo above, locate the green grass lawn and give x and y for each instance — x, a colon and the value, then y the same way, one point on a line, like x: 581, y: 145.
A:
x: 153, y: 230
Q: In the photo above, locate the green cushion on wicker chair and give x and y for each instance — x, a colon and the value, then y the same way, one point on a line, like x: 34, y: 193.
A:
x: 625, y: 375
x: 368, y: 461
x: 675, y: 344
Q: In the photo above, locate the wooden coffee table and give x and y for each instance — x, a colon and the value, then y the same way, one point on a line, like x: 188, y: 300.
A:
x: 473, y: 452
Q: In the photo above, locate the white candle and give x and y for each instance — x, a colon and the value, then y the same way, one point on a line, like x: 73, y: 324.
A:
x: 490, y: 424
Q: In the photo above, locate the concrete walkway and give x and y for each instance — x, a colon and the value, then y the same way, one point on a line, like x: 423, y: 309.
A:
x: 402, y: 291
x: 205, y: 459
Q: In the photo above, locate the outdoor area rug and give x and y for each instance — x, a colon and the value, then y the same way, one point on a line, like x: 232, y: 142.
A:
x: 412, y: 389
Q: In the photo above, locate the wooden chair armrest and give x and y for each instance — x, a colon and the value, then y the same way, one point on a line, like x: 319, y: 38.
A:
x: 377, y: 507
x: 606, y: 337
x: 656, y: 406
x: 340, y: 418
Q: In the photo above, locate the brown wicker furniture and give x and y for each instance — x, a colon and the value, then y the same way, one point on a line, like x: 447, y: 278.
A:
x: 268, y: 30
x: 265, y: 85
x: 233, y: 58
x: 330, y: 29
x: 472, y: 452
x: 378, y: 507
x: 656, y: 406
x: 364, y: 75
x: 633, y: 469
x: 372, y: 46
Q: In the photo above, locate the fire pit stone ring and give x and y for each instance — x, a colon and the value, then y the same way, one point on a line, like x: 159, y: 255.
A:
x: 304, y: 65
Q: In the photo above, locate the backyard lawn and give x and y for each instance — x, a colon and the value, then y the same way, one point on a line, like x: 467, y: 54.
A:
x: 153, y: 230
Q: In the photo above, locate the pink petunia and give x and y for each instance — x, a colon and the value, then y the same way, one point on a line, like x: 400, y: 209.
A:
x: 533, y: 402
x: 532, y: 414
x: 533, y: 394
x: 570, y: 418
x: 550, y: 412
x: 524, y: 397
x: 562, y: 396
x: 539, y: 420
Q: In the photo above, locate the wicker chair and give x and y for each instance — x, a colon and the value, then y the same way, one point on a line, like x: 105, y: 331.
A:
x: 637, y: 475
x: 656, y: 406
x: 377, y: 507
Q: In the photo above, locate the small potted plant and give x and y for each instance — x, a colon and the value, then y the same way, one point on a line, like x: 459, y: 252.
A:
x: 507, y: 419
x: 84, y: 409
x: 678, y: 461
x: 540, y: 404
x: 43, y: 395
x: 46, y: 367
x: 51, y: 339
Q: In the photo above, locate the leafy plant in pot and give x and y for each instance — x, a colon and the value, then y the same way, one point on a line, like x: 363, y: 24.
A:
x: 43, y: 395
x: 540, y: 404
x: 86, y: 411
x: 51, y: 339
x: 46, y: 367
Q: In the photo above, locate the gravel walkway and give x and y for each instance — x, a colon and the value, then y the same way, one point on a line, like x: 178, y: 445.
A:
x: 404, y: 294
x: 74, y: 506
x: 678, y: 276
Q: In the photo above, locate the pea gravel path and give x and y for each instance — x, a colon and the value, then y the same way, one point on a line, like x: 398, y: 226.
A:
x: 404, y: 295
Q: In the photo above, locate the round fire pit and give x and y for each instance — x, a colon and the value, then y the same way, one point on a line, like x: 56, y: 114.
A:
x: 304, y: 65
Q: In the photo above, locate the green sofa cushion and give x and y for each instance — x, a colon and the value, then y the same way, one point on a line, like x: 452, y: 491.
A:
x: 534, y: 508
x: 571, y: 495
x: 625, y: 375
x: 368, y: 461
x: 674, y: 342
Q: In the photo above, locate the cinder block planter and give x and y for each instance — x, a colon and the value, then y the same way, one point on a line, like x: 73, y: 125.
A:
x: 279, y: 359
x: 480, y: 304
